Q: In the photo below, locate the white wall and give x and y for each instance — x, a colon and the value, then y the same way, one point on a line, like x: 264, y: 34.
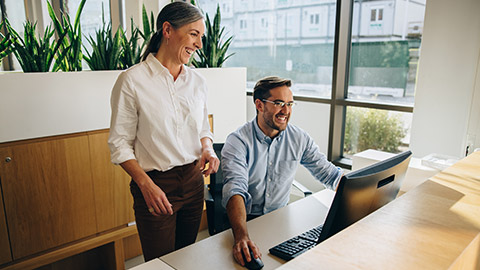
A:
x: 226, y: 99
x: 447, y: 80
x: 34, y: 105
x: 473, y: 133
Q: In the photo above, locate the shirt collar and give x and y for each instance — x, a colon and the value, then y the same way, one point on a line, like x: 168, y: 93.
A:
x: 261, y: 136
x: 157, y: 67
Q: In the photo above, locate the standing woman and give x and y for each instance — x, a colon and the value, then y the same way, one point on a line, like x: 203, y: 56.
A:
x: 160, y: 135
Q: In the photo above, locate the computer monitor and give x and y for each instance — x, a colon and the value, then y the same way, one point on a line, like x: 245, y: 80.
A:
x: 363, y: 191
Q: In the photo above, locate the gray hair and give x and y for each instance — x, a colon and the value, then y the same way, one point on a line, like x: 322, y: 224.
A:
x: 177, y: 14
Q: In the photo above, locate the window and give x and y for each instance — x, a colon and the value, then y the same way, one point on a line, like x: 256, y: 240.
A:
x: 382, y: 75
x: 243, y: 24
x: 91, y: 19
x: 282, y: 48
x: 14, y: 10
x: 264, y: 23
x: 367, y: 128
x: 376, y: 14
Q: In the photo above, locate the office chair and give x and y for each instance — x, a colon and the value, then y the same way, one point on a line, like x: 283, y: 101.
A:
x: 217, y: 217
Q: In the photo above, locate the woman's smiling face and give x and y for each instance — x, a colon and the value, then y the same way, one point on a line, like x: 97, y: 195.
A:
x: 185, y: 40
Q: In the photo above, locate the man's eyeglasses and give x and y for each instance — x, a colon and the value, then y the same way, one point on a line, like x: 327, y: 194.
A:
x: 281, y: 104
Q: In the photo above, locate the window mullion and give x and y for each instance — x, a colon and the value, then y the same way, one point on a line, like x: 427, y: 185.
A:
x: 341, y: 60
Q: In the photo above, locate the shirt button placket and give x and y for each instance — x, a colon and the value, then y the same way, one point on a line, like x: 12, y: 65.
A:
x: 270, y: 173
x: 171, y: 89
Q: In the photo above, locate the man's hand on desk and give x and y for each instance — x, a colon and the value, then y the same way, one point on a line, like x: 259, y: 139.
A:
x: 244, y: 244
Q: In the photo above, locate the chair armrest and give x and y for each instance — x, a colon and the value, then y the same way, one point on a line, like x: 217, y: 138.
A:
x: 302, y: 188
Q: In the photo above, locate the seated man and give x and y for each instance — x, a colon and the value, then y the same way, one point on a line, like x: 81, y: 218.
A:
x: 259, y: 161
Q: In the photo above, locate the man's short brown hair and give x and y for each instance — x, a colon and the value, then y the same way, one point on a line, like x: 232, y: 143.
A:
x: 263, y: 86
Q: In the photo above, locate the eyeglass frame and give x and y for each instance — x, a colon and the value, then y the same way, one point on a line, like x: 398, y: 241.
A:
x: 279, y: 103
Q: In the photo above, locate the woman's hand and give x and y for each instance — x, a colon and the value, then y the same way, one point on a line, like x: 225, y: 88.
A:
x: 208, y: 156
x: 156, y: 200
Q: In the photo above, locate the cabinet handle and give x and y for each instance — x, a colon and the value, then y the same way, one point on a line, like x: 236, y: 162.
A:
x: 8, y: 159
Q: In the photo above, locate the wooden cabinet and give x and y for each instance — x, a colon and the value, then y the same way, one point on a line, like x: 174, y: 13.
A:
x: 48, y: 193
x: 113, y: 201
x: 5, y: 254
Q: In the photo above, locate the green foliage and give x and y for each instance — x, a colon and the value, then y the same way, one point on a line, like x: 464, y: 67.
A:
x: 71, y: 47
x: 214, y: 50
x: 148, y: 27
x: 372, y: 129
x: 131, y: 48
x: 131, y: 51
x: 35, y: 55
x: 106, y: 49
x: 5, y: 43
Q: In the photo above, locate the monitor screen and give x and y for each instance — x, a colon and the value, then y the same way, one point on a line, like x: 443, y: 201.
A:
x: 363, y: 191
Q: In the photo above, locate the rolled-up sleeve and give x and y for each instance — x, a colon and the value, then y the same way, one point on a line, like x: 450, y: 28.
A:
x: 235, y: 171
x: 319, y: 166
x: 206, y: 131
x: 123, y: 122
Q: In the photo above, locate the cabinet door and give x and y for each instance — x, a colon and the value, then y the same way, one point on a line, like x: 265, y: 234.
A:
x: 5, y: 254
x: 48, y: 194
x: 113, y: 201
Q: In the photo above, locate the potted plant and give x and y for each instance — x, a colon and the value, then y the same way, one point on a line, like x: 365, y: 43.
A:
x: 5, y: 43
x: 35, y: 55
x: 106, y: 48
x: 214, y: 50
x: 131, y: 48
x: 71, y: 46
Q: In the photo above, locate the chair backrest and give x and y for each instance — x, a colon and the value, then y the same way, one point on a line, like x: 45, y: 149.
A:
x: 216, y: 214
x: 216, y: 179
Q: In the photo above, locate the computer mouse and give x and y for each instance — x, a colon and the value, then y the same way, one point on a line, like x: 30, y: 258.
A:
x: 253, y: 264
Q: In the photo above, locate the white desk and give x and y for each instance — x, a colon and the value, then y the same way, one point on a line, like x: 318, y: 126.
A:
x: 155, y: 264
x: 273, y: 228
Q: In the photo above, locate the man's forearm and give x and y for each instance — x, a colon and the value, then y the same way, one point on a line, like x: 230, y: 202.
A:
x: 237, y: 215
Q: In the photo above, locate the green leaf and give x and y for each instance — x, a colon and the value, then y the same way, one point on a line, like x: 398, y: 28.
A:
x: 146, y: 23
x: 69, y: 54
x: 106, y: 49
x: 214, y: 50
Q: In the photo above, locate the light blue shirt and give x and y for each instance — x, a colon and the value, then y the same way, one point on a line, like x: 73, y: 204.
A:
x: 261, y: 169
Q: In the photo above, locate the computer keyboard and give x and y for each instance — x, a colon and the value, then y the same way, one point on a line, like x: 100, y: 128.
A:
x: 297, y: 245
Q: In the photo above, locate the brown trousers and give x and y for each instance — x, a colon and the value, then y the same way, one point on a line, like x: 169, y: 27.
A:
x: 162, y: 234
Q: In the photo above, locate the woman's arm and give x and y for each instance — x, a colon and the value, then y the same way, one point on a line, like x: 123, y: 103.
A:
x: 208, y: 156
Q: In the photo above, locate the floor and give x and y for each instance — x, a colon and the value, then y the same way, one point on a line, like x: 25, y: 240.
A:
x: 139, y: 259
